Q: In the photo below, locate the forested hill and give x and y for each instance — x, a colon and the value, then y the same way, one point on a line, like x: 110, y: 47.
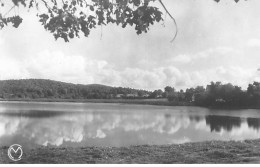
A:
x: 41, y: 88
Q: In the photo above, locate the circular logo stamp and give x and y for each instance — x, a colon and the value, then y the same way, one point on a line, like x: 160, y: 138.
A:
x: 15, y: 152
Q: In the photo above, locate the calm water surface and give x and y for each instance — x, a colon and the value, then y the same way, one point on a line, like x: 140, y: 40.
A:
x: 33, y: 124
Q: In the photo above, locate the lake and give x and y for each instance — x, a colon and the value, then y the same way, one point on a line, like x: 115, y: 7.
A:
x: 33, y: 124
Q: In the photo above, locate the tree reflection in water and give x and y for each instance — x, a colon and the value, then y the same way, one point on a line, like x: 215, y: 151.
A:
x: 217, y: 123
x: 254, y: 123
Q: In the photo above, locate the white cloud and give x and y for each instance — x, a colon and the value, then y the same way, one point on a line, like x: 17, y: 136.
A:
x: 215, y: 52
x: 253, y: 43
x: 144, y: 79
x: 234, y: 74
x: 202, y: 58
x: 1, y: 41
x: 10, y: 68
x: 57, y: 65
x: 181, y: 59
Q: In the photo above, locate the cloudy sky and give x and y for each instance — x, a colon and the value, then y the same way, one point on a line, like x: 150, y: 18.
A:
x: 216, y: 42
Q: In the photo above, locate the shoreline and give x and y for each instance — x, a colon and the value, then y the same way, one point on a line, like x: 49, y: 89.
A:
x: 157, y: 102
x: 246, y: 151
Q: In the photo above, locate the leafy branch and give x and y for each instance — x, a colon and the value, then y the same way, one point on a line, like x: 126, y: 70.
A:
x: 68, y: 19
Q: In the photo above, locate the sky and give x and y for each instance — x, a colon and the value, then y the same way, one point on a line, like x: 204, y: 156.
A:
x: 215, y: 42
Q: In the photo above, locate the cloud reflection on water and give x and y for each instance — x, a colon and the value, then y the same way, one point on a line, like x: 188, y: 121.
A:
x: 121, y: 129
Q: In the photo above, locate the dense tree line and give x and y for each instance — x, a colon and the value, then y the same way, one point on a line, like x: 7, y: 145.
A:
x: 217, y: 94
x: 40, y: 88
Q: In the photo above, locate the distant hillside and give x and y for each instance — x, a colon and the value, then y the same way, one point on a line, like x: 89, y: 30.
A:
x: 41, y: 88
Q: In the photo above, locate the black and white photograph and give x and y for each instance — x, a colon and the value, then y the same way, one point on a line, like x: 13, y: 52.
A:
x: 129, y: 82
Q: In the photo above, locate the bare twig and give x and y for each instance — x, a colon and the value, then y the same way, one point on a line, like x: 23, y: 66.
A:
x: 46, y: 4
x: 176, y: 32
x: 9, y: 11
x: 101, y: 35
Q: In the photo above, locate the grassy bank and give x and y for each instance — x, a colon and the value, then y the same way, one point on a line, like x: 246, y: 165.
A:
x: 161, y: 101
x: 202, y: 152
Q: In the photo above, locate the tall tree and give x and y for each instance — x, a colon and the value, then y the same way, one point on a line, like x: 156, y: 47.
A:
x: 168, y: 90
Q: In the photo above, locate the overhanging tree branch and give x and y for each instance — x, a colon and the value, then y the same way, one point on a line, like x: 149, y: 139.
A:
x: 70, y: 18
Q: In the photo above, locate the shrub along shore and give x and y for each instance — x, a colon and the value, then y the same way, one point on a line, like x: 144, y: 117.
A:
x: 247, y: 151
